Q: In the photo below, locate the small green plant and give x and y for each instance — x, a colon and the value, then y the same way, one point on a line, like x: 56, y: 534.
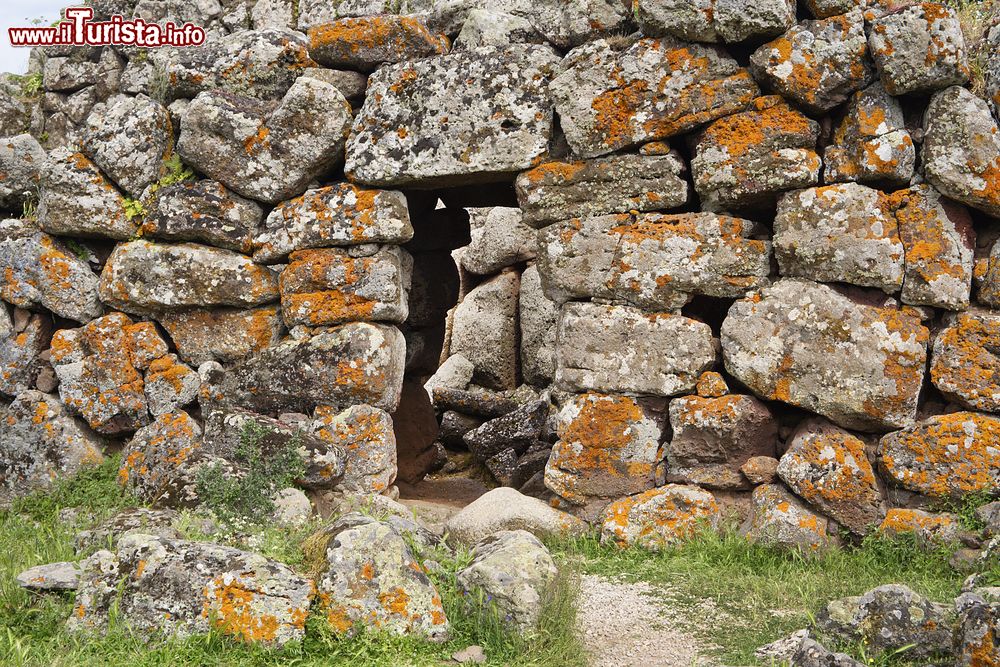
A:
x: 176, y: 172
x: 134, y: 208
x: 31, y: 84
x: 246, y: 497
x: 29, y: 208
x: 77, y: 249
x: 965, y: 508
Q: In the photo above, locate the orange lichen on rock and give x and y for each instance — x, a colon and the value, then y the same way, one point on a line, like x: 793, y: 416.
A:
x: 658, y: 517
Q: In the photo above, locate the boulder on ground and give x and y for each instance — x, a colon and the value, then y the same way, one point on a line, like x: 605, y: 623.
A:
x: 864, y: 371
x: 186, y: 588
x: 160, y: 463
x: 514, y: 573
x: 50, y: 577
x: 927, y: 527
x: 659, y: 517
x: 780, y: 519
x: 372, y: 580
x: 610, y: 99
x: 503, y: 509
x: 977, y: 632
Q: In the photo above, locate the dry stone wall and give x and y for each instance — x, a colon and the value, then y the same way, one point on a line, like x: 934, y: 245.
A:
x: 644, y: 261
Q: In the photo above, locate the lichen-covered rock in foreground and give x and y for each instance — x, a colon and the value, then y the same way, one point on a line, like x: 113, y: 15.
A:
x: 39, y: 270
x: 659, y: 517
x: 365, y: 43
x: 919, y: 49
x: 262, y: 151
x: 964, y: 363
x: 335, y: 366
x: 654, y: 89
x: 555, y: 191
x: 650, y: 260
x: 807, y: 344
x: 817, y: 64
x: 609, y: 446
x: 780, y: 519
x: 515, y: 573
x: 714, y: 437
x: 76, y: 199
x: 743, y: 160
x: 336, y: 215
x: 334, y: 285
x: 977, y: 633
x: 829, y: 468
x: 889, y: 618
x: 961, y: 151
x: 373, y: 581
x: 839, y: 233
x: 183, y: 588
x: 41, y: 444
x: 144, y: 278
x: 948, y: 456
x: 477, y: 115
x: 623, y: 349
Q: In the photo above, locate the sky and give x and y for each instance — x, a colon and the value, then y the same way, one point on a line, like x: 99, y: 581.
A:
x: 23, y: 13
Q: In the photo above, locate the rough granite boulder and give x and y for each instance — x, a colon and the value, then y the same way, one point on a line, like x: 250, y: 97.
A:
x: 365, y: 43
x: 109, y: 532
x: 938, y: 244
x: 715, y: 20
x: 652, y: 261
x: 839, y: 233
x: 555, y: 191
x: 128, y: 138
x: 160, y: 463
x: 476, y: 115
x: 336, y: 215
x: 964, y: 363
x: 366, y: 437
x: 484, y: 331
x: 947, y: 456
x: 186, y: 588
x: 744, y: 160
x: 927, y: 527
x: 807, y: 344
x: 372, y: 580
x: 961, y: 151
x: 203, y: 211
x: 828, y: 467
x: 328, y: 286
x: 539, y: 320
x: 515, y: 574
x: 871, y: 143
x: 608, y: 447
x: 266, y: 151
x: 622, y: 349
x: 222, y: 334
x: 146, y: 278
x: 611, y: 99
x: 76, y: 199
x: 518, y: 429
x: 659, y: 517
x: 919, y: 49
x: 50, y: 577
x: 889, y: 618
x: 42, y: 443
x: 499, y: 239
x: 40, y: 270
x: 714, y: 437
x: 336, y: 366
x: 779, y: 518
x: 977, y: 632
x: 21, y: 347
x: 817, y: 64
x: 169, y: 385
x: 503, y: 509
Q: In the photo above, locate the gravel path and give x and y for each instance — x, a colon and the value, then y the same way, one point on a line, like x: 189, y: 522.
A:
x: 626, y: 625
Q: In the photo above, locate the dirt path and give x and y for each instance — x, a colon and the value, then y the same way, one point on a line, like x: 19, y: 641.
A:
x: 629, y: 625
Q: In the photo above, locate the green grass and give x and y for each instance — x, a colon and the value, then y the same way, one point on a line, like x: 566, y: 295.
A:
x: 32, y: 626
x: 741, y: 596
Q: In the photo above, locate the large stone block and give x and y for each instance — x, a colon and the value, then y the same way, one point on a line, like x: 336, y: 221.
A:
x: 128, y: 138
x: 477, y: 115
x: 715, y: 20
x: 611, y: 99
x: 365, y: 43
x: 222, y: 334
x: 806, y: 344
x: 484, y: 331
x: 964, y: 363
x: 650, y: 260
x: 203, y: 211
x: 623, y: 349
x: 76, y: 199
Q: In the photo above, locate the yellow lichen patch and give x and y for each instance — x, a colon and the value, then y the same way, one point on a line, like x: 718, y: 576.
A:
x: 964, y: 365
x: 379, y: 37
x: 232, y: 607
x: 901, y: 520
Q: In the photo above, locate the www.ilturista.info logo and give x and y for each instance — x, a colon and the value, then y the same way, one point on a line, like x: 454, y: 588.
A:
x: 77, y: 29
